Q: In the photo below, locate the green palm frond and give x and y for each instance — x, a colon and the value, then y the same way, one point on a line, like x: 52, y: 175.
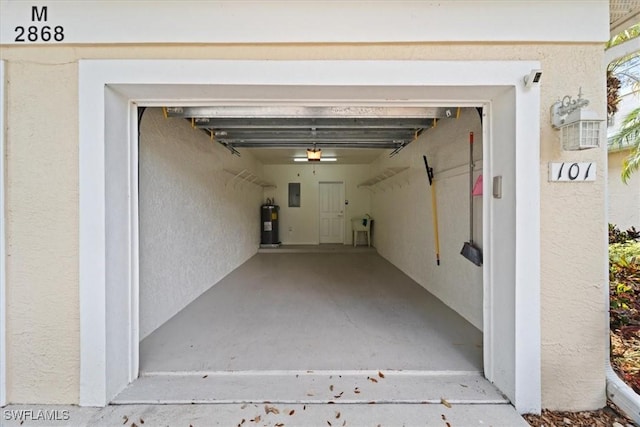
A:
x: 628, y: 34
x: 623, y: 72
x: 629, y: 137
x: 631, y: 164
x: 629, y: 130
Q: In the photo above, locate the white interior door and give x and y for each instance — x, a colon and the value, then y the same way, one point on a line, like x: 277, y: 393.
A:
x: 331, y: 212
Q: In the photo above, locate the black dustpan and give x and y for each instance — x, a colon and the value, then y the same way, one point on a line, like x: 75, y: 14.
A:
x: 472, y: 253
x: 469, y: 250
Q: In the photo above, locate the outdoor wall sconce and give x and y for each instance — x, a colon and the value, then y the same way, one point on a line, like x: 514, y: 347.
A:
x: 580, y: 129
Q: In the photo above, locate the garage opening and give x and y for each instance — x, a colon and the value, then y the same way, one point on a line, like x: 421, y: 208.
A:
x: 211, y: 306
x: 111, y: 254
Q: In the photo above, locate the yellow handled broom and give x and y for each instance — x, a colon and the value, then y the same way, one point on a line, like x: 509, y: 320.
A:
x: 434, y: 209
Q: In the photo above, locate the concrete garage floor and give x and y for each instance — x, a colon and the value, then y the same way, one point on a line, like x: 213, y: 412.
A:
x: 304, y: 338
x: 314, y: 311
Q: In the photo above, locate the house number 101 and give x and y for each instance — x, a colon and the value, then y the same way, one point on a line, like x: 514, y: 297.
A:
x: 572, y: 172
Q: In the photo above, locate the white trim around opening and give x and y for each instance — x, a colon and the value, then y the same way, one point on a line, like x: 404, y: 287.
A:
x: 111, y: 90
x: 3, y: 254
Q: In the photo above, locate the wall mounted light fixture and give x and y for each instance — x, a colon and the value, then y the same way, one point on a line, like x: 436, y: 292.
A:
x: 580, y: 129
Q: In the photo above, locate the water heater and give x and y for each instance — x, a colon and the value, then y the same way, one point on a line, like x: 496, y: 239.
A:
x: 269, y: 224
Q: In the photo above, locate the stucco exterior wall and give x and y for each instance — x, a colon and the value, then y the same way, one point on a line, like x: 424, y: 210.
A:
x: 573, y: 247
x: 404, y: 214
x: 42, y: 217
x: 194, y: 229
x: 42, y: 233
x: 624, y: 199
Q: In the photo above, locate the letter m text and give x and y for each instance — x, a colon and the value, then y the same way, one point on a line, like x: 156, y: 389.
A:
x: 38, y: 15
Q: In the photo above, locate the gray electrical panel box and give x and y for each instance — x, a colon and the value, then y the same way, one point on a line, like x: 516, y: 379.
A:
x: 294, y: 194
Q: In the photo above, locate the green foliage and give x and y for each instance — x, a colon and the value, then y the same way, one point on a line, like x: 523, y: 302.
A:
x: 629, y: 136
x: 624, y: 67
x: 624, y: 72
x: 617, y: 236
x: 631, y: 163
x: 625, y: 253
x: 624, y: 277
x: 628, y: 34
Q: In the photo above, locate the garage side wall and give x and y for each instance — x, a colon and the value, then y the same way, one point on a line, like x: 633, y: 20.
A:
x: 194, y: 228
x: 403, y: 213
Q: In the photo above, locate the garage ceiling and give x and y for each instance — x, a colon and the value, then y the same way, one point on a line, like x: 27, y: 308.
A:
x: 276, y: 135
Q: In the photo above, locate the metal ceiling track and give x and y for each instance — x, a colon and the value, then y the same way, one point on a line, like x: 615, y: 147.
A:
x: 303, y: 127
x: 306, y: 112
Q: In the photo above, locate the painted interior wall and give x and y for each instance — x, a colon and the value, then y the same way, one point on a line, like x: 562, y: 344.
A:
x: 42, y: 212
x: 624, y: 199
x: 300, y: 226
x: 403, y: 211
x: 194, y: 228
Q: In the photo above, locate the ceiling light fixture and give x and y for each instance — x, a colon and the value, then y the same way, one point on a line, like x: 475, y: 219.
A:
x: 314, y: 154
x: 322, y: 159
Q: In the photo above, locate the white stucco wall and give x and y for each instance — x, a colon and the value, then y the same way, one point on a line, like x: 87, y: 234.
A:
x: 301, y: 225
x: 42, y: 212
x: 624, y: 199
x: 42, y: 251
x: 194, y: 229
x: 404, y: 230
x: 573, y: 252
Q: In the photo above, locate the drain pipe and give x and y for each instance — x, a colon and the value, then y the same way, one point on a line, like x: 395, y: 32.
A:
x: 617, y: 390
x: 621, y: 394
